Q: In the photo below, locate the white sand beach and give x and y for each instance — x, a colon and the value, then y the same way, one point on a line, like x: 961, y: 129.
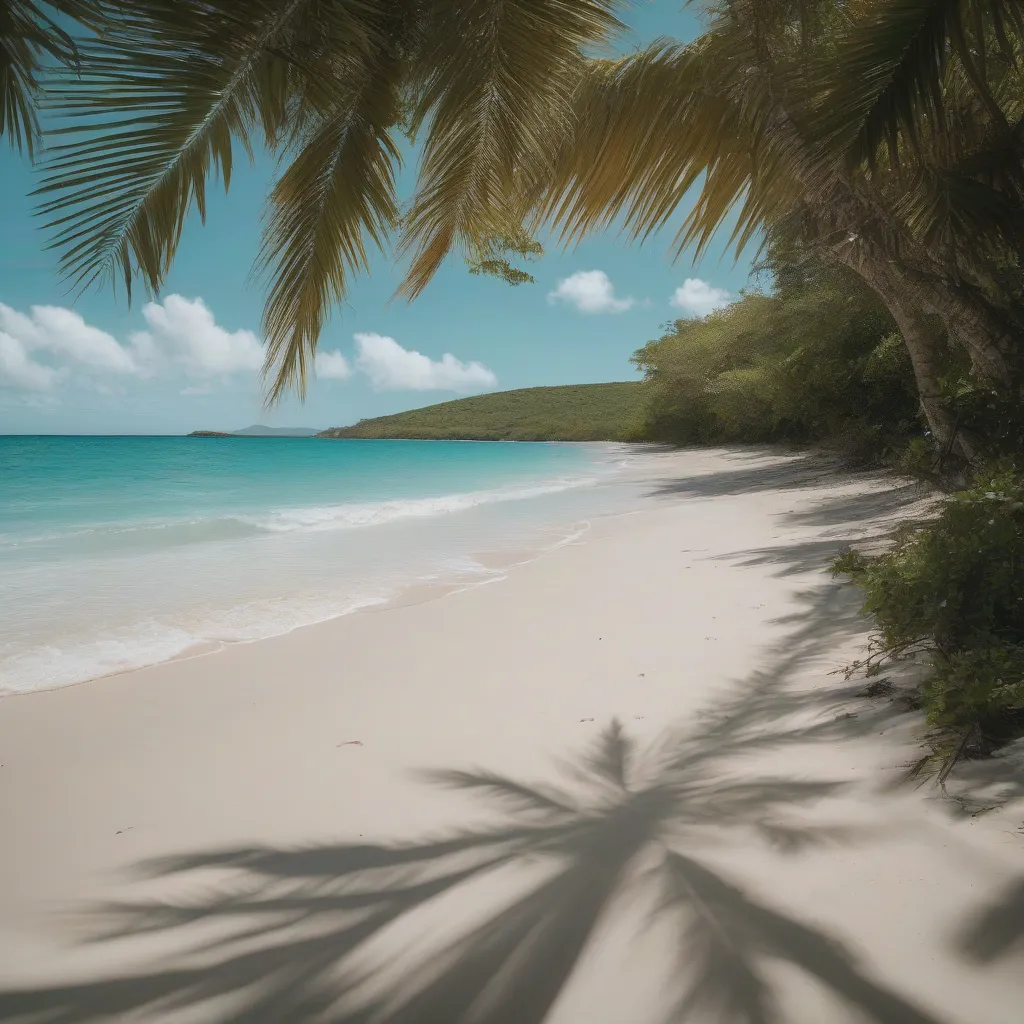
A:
x: 335, y: 824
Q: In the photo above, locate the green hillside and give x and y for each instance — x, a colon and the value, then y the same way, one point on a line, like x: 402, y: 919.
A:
x: 575, y: 412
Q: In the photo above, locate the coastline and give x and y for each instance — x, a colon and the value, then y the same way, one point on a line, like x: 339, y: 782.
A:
x: 138, y: 587
x: 702, y: 620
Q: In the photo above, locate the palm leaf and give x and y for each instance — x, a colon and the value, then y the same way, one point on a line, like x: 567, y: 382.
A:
x: 154, y: 107
x: 493, y: 97
x: 654, y: 125
x: 27, y: 37
x: 630, y: 153
x: 888, y: 78
x: 338, y: 192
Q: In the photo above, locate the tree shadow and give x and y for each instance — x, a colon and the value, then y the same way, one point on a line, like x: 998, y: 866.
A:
x: 997, y: 930
x: 615, y: 823
x: 787, y: 471
x: 798, y: 558
x: 330, y: 933
x: 847, y: 509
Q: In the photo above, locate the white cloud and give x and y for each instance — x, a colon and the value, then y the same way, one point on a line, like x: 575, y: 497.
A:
x: 63, y: 333
x: 332, y: 366
x: 19, y: 370
x: 51, y: 344
x: 393, y: 368
x: 590, y: 291
x: 700, y: 298
x: 186, y: 331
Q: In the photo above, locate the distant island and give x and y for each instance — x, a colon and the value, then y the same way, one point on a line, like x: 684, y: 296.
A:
x: 572, y: 412
x: 258, y: 430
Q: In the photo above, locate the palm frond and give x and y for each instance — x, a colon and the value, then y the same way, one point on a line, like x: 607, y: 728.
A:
x: 888, y: 79
x: 28, y: 36
x: 636, y: 145
x: 543, y: 799
x: 962, y: 215
x: 337, y: 194
x: 655, y: 125
x: 493, y: 97
x: 153, y: 108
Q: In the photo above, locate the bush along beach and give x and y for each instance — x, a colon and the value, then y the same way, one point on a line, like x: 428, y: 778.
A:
x: 953, y: 590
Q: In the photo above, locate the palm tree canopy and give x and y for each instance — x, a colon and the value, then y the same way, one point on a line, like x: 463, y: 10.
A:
x: 894, y: 125
x: 159, y: 101
x: 746, y: 117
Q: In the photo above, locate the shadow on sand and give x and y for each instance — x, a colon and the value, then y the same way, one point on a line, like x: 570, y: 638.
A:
x: 303, y: 934
x: 294, y: 935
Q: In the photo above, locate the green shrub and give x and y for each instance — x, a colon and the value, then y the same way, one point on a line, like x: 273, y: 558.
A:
x: 955, y: 588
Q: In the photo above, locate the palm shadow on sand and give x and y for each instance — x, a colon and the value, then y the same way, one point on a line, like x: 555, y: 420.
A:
x: 303, y: 934
x: 299, y: 920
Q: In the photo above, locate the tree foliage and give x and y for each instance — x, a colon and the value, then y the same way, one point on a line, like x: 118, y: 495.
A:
x: 816, y: 360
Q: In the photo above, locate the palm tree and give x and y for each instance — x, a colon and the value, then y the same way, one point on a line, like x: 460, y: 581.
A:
x: 737, y: 115
x: 163, y: 92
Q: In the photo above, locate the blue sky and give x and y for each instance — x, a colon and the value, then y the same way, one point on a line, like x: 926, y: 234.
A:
x: 90, y: 364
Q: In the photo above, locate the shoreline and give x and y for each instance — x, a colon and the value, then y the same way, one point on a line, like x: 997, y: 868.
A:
x: 133, y: 638
x: 287, y: 772
x: 494, y: 562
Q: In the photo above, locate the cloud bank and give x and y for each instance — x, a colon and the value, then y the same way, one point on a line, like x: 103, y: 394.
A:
x: 56, y: 334
x: 332, y: 366
x: 185, y: 331
x: 393, y: 368
x: 50, y: 346
x: 699, y: 298
x: 590, y: 291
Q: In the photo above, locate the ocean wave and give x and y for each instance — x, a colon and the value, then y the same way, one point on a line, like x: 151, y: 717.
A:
x: 127, y: 537
x: 352, y: 515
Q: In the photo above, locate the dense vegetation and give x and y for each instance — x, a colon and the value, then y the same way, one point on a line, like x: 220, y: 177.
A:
x: 578, y: 412
x: 818, y: 359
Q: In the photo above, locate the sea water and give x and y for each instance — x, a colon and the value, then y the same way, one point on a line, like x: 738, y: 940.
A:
x: 120, y: 552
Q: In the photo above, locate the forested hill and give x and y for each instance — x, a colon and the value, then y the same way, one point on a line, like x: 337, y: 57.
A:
x: 574, y: 412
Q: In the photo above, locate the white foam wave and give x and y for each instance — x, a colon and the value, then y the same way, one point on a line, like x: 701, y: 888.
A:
x: 351, y: 515
x: 150, y: 642
x: 307, y: 518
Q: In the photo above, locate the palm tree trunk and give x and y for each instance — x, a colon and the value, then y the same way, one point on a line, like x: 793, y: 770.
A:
x: 899, y: 297
x: 976, y: 328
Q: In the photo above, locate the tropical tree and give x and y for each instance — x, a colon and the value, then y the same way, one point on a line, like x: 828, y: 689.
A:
x: 161, y: 94
x: 737, y: 116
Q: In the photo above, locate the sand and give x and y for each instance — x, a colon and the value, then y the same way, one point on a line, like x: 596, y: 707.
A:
x: 624, y: 783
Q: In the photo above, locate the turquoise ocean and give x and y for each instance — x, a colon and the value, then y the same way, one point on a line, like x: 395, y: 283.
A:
x: 120, y: 552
